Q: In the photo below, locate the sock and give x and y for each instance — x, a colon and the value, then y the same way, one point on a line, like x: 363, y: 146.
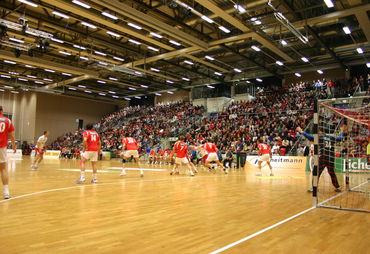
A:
x: 83, y: 174
x: 6, y: 188
x: 95, y: 175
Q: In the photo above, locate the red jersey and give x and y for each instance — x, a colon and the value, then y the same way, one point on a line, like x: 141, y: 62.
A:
x: 152, y: 152
x: 210, y: 147
x: 92, y: 139
x: 160, y: 152
x: 181, y: 149
x: 265, y: 149
x: 6, y: 127
x: 130, y: 143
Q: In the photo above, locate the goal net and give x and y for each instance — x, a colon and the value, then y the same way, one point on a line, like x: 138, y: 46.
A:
x: 342, y: 176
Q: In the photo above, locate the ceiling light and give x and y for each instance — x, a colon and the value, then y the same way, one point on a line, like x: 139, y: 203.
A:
x: 257, y: 22
x: 65, y: 53
x: 368, y: 65
x: 118, y: 58
x: 127, y: 99
x: 39, y: 82
x: 100, y: 53
x: 158, y: 94
x: 256, y: 48
x: 84, y: 58
x: 2, y: 90
x: 48, y: 70
x: 81, y: 4
x: 240, y: 8
x: 188, y: 62
x: 218, y: 73
x: 224, y: 29
x: 144, y: 86
x: 304, y: 59
x: 111, y: 92
x: 9, y: 87
x: 5, y: 76
x: 138, y: 73
x: 169, y: 92
x: 115, y: 96
x: 79, y: 47
x: 47, y: 79
x: 101, y: 82
x: 16, y: 40
x: 279, y: 63
x: 298, y: 74
x: 283, y: 42
x: 22, y: 79
x: 253, y: 19
x: 88, y: 25
x: 114, y: 79
x: 9, y: 62
x: 209, y: 86
x: 13, y: 73
x: 154, y: 69
x: 103, y: 63
x: 29, y: 66
x: 346, y: 30
x: 28, y: 3
x: 66, y: 74
x: 258, y: 79
x: 360, y: 51
x: 186, y: 79
x: 14, y: 92
x: 169, y: 81
x: 156, y: 35
x: 109, y: 15
x: 209, y: 58
x: 60, y: 14
x: 131, y: 88
x: 174, y: 42
x: 31, y: 76
x: 102, y: 94
x: 81, y: 86
x: 56, y: 40
x: 134, y: 42
x: 320, y: 71
x: 207, y: 19
x: 137, y: 97
x: 72, y: 88
x: 134, y: 26
x: 329, y: 3
x: 248, y: 81
x: 87, y: 91
x: 113, y: 34
x: 237, y: 70
x: 152, y: 48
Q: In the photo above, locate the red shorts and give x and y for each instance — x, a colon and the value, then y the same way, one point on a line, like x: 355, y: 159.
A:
x: 204, y: 158
x: 39, y: 151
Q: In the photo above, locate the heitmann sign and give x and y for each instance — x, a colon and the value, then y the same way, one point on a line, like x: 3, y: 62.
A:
x: 284, y: 162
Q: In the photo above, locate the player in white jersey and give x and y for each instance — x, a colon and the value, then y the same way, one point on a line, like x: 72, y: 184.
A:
x: 39, y: 150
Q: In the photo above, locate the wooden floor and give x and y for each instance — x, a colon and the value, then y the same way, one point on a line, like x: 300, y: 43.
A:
x: 164, y: 214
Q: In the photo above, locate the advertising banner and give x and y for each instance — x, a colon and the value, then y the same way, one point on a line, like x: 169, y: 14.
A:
x: 52, y: 154
x: 283, y: 162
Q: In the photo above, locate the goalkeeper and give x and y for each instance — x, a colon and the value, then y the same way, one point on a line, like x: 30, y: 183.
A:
x: 326, y: 154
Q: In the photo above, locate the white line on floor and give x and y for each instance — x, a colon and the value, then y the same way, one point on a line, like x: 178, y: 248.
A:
x: 112, y: 183
x: 144, y: 169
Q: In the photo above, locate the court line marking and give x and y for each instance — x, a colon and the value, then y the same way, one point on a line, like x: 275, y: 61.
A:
x: 280, y: 222
x: 112, y: 183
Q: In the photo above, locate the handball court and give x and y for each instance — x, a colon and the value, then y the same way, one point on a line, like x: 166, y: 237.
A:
x: 49, y: 213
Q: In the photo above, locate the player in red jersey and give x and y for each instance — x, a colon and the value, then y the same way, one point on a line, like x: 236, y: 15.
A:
x: 152, y: 156
x: 92, y: 146
x: 6, y: 131
x: 212, y: 155
x: 39, y: 150
x: 265, y: 155
x: 160, y: 156
x: 181, y: 150
x: 130, y: 148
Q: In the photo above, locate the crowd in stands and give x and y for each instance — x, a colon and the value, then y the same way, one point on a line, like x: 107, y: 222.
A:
x: 273, y: 116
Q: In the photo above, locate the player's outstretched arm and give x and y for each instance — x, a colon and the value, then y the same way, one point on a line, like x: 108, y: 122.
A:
x: 305, y: 134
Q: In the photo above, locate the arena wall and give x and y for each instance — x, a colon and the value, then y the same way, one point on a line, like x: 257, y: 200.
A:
x: 336, y: 74
x: 181, y: 95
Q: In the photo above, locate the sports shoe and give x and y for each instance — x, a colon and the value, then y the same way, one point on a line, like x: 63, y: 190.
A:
x: 81, y: 180
x: 226, y: 170
x: 6, y: 195
x: 272, y: 174
x: 94, y: 180
x: 141, y: 173
x: 310, y: 190
x: 123, y: 173
x: 258, y: 173
x: 338, y: 189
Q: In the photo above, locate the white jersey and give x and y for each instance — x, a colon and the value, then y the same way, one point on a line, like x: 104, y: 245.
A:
x: 41, y: 142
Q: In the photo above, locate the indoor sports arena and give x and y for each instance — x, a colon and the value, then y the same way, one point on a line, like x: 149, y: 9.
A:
x: 184, y: 126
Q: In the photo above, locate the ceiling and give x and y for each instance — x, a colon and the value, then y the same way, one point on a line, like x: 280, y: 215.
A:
x: 115, y: 49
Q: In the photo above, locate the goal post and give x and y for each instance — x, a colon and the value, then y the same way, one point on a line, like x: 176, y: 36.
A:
x: 341, y: 173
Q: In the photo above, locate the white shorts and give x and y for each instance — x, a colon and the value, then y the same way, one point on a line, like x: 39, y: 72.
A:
x: 3, y: 152
x: 129, y: 153
x: 264, y: 157
x: 90, y: 155
x: 181, y: 160
x: 212, y: 157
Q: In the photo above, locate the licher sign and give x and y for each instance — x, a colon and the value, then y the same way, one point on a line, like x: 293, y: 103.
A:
x: 354, y: 164
x: 285, y: 162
